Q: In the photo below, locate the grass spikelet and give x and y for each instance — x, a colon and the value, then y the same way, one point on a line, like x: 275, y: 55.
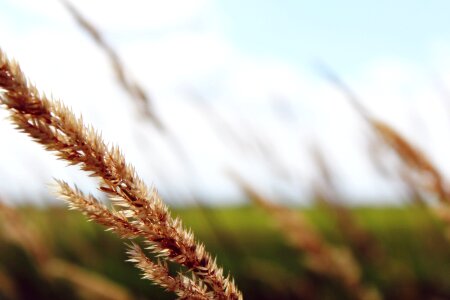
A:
x: 158, y: 272
x: 53, y: 125
x: 96, y: 211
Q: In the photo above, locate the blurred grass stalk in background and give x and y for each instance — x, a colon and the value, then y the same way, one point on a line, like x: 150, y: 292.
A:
x: 332, y: 251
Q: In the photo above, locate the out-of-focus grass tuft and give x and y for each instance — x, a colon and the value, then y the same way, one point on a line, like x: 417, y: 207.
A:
x: 246, y: 244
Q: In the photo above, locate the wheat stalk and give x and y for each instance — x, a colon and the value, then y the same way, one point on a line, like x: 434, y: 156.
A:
x: 140, y: 210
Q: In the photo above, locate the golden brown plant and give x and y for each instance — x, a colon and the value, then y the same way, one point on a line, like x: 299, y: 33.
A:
x: 428, y: 175
x: 89, y: 284
x: 359, y: 239
x: 184, y: 287
x: 402, y: 172
x: 414, y: 158
x: 322, y: 258
x: 123, y: 76
x: 142, y: 101
x: 278, y: 278
x: 93, y: 286
x: 138, y: 211
x: 16, y: 231
x: 141, y: 97
x: 409, y: 153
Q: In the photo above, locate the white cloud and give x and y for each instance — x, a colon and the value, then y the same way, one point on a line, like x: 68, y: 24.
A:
x: 241, y: 88
x: 118, y: 15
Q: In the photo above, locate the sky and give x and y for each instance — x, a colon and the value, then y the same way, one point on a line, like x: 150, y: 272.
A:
x: 250, y: 65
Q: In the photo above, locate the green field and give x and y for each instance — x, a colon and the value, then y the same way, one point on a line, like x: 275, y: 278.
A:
x: 415, y: 263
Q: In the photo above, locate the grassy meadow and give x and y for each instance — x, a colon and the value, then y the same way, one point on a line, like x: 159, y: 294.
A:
x: 414, y: 265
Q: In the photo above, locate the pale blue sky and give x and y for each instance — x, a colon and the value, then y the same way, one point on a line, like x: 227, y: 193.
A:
x: 240, y: 56
x: 344, y: 33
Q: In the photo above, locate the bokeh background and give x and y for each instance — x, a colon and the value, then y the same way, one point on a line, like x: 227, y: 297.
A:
x: 231, y: 81
x: 240, y: 96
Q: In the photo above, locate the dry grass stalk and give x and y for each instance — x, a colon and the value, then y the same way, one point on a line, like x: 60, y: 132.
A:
x: 333, y: 262
x: 218, y: 121
x: 443, y: 213
x: 400, y: 172
x: 144, y: 102
x: 362, y: 241
x: 136, y: 92
x: 247, y: 140
x: 53, y: 125
x: 96, y: 211
x: 184, y: 287
x: 157, y: 272
x: 279, y: 279
x: 141, y: 99
x: 409, y: 153
x: 16, y: 231
x: 93, y: 285
x: 414, y: 158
